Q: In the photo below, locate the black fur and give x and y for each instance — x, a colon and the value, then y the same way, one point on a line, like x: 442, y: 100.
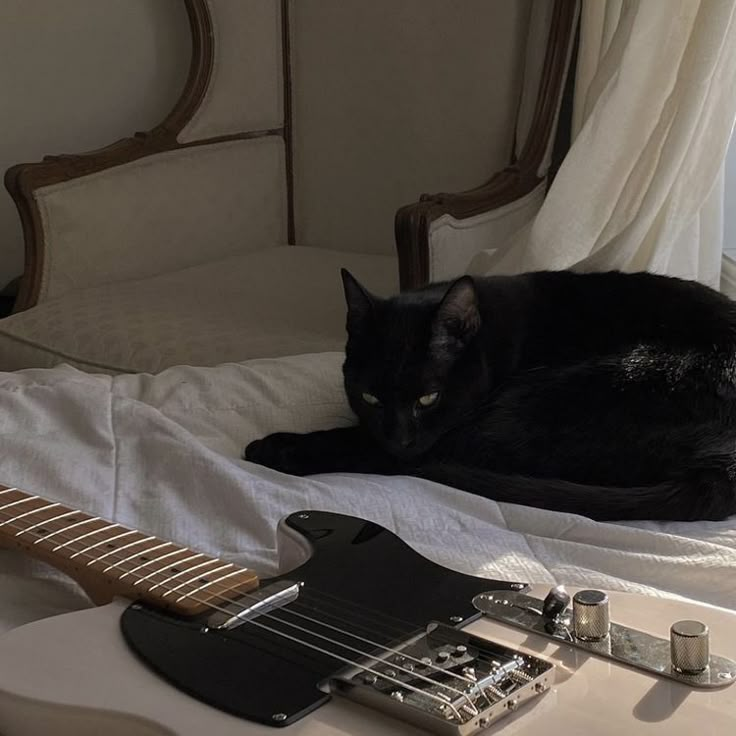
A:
x: 609, y: 395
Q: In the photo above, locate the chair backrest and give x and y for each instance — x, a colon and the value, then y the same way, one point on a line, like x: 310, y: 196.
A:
x: 208, y: 182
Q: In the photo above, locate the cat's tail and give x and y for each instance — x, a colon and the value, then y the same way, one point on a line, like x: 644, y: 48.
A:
x: 699, y: 498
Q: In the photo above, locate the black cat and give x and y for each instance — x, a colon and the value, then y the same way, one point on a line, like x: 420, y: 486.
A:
x: 608, y: 395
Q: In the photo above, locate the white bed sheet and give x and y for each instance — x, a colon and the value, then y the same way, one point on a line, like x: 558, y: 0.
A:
x: 161, y: 453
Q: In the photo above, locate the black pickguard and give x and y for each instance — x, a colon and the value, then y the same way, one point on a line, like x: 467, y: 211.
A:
x: 361, y: 578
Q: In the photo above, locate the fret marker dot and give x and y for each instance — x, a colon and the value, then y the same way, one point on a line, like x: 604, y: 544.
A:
x: 110, y: 546
x: 43, y: 531
x: 203, y: 580
x: 72, y: 520
x: 143, y: 559
x: 174, y: 569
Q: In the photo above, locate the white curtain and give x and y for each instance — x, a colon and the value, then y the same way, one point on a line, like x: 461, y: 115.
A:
x: 642, y: 185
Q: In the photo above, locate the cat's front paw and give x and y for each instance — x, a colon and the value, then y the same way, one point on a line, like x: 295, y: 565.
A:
x: 282, y: 451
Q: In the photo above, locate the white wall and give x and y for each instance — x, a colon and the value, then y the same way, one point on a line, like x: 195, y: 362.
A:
x: 729, y: 203
x: 79, y: 74
x: 393, y: 98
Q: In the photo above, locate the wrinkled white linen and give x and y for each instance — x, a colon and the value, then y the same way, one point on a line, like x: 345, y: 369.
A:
x: 161, y: 453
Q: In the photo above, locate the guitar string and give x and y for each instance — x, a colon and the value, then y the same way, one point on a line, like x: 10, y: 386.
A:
x: 367, y: 655
x: 377, y: 627
x: 94, y: 532
x: 302, y: 604
x: 85, y: 550
x: 359, y: 616
x: 283, y: 610
x: 320, y: 594
x: 48, y: 523
x: 290, y: 610
x: 339, y: 601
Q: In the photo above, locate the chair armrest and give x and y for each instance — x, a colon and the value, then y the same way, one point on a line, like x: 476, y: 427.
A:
x: 424, y: 230
x: 149, y: 215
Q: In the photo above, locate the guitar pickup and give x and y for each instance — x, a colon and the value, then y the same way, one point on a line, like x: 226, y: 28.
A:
x: 446, y: 681
x: 257, y: 603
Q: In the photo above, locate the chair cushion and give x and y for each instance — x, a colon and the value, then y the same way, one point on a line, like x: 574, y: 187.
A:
x: 284, y: 300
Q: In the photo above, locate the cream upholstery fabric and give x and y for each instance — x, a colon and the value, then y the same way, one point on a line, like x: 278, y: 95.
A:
x: 279, y: 301
x: 245, y: 90
x: 453, y: 243
x: 158, y: 214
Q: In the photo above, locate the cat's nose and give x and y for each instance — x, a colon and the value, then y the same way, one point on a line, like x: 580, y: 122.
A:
x: 403, y: 443
x: 400, y: 435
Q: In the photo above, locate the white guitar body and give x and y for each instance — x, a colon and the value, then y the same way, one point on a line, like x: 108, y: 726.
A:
x: 74, y: 675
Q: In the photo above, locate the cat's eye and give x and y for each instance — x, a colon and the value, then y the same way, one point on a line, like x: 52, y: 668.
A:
x: 370, y: 399
x: 428, y: 399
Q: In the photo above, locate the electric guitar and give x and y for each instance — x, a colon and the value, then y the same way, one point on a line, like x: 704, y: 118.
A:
x: 365, y: 637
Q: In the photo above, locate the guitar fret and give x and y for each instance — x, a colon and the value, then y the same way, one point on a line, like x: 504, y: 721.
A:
x: 108, y: 559
x: 116, y: 550
x: 16, y: 503
x: 181, y: 572
x: 148, y: 562
x: 189, y: 582
x: 65, y: 529
x: 46, y: 521
x: 15, y: 519
x: 194, y: 592
x: 125, y: 546
x: 158, y: 559
x: 85, y: 550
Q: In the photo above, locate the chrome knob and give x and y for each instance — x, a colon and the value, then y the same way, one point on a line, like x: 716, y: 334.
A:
x: 689, y: 647
x: 590, y: 619
x: 556, y: 603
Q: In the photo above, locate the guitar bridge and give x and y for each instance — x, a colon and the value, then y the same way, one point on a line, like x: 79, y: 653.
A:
x: 446, y: 681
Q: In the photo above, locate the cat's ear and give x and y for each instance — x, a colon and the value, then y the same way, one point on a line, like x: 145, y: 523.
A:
x: 457, y: 319
x: 359, y: 300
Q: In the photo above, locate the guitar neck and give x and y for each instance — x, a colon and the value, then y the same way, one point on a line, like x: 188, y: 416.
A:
x: 110, y: 560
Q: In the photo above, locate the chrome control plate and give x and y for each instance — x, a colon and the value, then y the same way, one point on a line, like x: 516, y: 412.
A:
x: 623, y: 644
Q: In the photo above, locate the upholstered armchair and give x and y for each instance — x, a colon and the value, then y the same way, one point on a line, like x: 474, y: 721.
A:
x: 219, y: 235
